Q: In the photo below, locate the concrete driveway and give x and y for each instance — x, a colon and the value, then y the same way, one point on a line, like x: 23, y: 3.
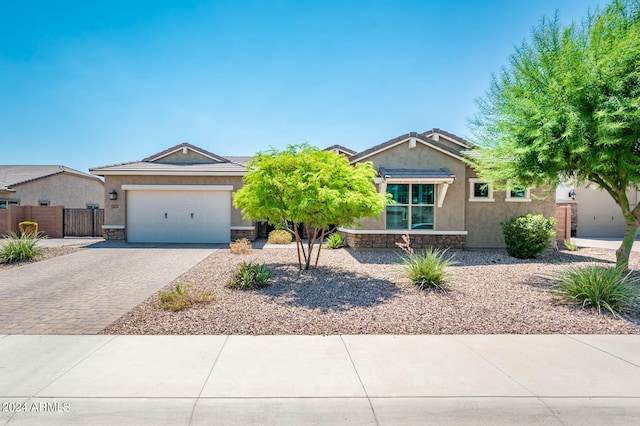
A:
x: 85, y: 291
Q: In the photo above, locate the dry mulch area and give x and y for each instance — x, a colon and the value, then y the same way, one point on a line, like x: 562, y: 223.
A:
x: 363, y: 292
x: 47, y: 253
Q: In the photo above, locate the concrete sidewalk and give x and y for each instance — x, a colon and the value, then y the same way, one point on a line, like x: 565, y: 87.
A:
x: 361, y: 379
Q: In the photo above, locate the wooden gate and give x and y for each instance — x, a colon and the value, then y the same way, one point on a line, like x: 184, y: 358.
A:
x: 83, y: 222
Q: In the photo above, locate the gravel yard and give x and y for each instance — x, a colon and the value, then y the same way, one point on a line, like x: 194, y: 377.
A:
x: 362, y: 292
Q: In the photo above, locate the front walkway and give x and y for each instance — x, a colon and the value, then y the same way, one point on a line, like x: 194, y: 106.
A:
x: 280, y: 380
x: 85, y: 291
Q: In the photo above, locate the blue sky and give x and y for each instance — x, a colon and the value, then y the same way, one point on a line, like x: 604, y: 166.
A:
x: 91, y: 83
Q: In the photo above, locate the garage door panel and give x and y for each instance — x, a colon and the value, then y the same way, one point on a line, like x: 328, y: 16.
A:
x: 179, y: 216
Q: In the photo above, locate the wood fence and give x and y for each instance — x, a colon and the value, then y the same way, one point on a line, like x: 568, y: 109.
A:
x: 83, y: 222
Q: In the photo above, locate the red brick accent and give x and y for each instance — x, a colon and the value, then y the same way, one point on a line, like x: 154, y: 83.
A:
x: 417, y: 240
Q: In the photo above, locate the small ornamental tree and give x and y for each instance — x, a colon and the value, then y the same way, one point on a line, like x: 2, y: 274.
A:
x: 310, y: 188
x: 568, y: 106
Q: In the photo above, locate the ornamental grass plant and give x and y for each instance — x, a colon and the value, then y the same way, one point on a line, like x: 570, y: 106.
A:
x: 427, y: 269
x: 603, y: 288
x: 18, y: 248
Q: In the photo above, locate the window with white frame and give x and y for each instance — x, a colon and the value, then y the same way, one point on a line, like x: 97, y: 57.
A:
x: 5, y: 203
x: 518, y: 193
x: 480, y: 190
x: 413, y: 206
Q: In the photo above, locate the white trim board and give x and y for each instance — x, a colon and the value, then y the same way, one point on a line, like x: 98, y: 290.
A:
x: 401, y: 232
x: 177, y: 187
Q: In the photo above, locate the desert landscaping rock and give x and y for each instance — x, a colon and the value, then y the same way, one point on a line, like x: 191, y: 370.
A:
x: 363, y: 292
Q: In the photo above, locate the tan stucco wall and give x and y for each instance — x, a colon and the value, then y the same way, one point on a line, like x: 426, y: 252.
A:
x: 449, y: 217
x: 483, y: 218
x: 62, y: 189
x: 115, y: 211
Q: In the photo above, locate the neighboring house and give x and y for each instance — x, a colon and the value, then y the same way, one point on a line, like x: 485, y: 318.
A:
x: 49, y: 185
x: 180, y: 195
x: 438, y: 198
x: 594, y: 212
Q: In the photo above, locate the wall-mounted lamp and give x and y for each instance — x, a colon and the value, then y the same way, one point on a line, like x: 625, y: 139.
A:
x: 113, y: 195
x: 572, y: 194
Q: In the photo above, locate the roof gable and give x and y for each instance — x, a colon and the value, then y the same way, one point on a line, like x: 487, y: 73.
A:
x: 13, y: 175
x: 454, y: 151
x: 185, y: 153
x: 342, y: 150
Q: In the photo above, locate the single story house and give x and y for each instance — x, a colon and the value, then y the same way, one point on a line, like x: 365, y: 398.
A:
x: 184, y: 194
x: 33, y: 185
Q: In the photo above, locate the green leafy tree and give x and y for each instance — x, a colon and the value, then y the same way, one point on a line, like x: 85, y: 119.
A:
x: 567, y: 106
x: 312, y: 189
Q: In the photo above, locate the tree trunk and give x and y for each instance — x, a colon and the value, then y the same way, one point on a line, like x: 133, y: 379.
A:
x: 623, y: 253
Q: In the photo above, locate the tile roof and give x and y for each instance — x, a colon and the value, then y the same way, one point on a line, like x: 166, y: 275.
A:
x: 451, y: 136
x: 149, y: 168
x: 219, y: 166
x: 433, y: 173
x: 239, y: 159
x: 419, y: 137
x: 185, y: 145
x: 344, y: 149
x: 13, y: 175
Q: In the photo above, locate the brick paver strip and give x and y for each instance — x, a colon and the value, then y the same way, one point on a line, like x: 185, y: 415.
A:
x: 85, y: 291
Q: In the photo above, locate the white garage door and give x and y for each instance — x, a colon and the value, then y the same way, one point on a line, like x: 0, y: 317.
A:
x: 178, y: 216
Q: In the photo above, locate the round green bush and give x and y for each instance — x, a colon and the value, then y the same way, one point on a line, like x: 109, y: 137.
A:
x: 528, y: 236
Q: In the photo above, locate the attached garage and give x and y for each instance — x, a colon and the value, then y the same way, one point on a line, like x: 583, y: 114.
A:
x: 178, y: 213
x: 179, y: 195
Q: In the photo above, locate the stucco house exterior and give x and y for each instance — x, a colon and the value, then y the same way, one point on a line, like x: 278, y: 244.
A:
x: 438, y: 198
x: 182, y: 194
x: 35, y: 185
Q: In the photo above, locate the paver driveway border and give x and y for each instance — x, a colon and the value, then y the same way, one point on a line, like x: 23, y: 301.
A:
x: 86, y: 291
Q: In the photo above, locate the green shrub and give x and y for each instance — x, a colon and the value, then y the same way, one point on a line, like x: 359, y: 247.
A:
x: 527, y: 236
x: 334, y: 241
x: 183, y: 297
x: 18, y: 248
x: 279, y: 236
x: 28, y: 228
x: 428, y: 268
x: 570, y: 246
x: 600, y: 287
x: 250, y: 276
x: 241, y: 246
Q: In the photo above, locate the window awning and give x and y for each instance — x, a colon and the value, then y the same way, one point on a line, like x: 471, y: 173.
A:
x: 427, y: 175
x: 439, y: 176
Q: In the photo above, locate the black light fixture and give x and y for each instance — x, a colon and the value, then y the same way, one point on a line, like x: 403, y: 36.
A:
x: 572, y: 194
x: 113, y: 195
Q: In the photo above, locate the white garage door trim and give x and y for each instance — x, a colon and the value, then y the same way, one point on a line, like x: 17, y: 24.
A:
x: 177, y: 187
x: 208, y: 217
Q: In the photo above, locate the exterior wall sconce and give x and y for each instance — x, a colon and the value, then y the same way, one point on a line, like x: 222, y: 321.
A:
x: 572, y: 194
x: 113, y: 195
